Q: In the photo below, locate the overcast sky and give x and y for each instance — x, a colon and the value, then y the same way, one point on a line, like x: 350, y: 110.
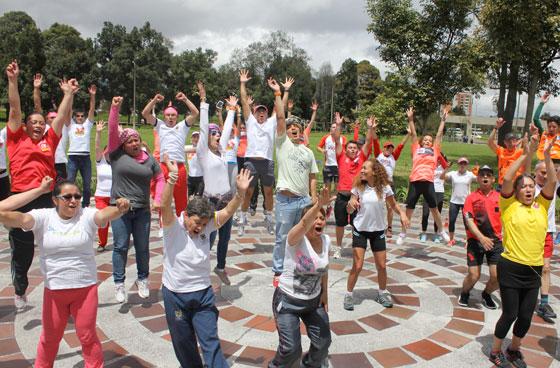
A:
x: 329, y: 30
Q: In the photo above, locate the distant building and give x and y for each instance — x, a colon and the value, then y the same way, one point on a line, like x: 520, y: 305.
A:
x: 465, y: 101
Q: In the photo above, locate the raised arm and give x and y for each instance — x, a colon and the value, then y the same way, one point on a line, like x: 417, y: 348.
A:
x: 296, y: 234
x: 150, y: 106
x: 243, y: 79
x: 538, y: 110
x: 17, y: 219
x: 371, y: 125
x: 228, y: 126
x: 110, y: 213
x: 338, y: 119
x: 509, y: 176
x: 398, y: 150
x: 37, y: 81
x: 439, y: 135
x: 113, y: 130
x: 220, y: 117
x: 492, y: 138
x: 309, y: 127
x: 92, y: 90
x: 411, y: 126
x: 287, y: 84
x: 98, y: 150
x: 18, y: 200
x: 202, y: 145
x: 279, y: 107
x: 14, y: 117
x: 290, y: 107
x: 551, y: 179
x: 192, y: 108
x: 243, y: 180
x: 69, y: 88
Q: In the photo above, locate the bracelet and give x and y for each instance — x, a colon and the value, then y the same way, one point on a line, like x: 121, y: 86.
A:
x: 231, y: 108
x: 277, y: 93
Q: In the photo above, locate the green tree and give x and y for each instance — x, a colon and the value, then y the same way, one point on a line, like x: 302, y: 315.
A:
x: 20, y: 39
x: 324, y: 89
x: 430, y: 48
x: 346, y: 88
x: 370, y: 84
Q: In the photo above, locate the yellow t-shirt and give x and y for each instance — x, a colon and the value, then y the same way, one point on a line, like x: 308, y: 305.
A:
x: 524, y: 230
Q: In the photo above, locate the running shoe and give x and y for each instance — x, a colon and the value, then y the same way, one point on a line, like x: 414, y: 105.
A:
x: 269, y: 225
x: 400, y: 239
x: 336, y: 252
x: 348, y: 302
x: 545, y: 312
x: 516, y: 358
x: 384, y: 299
x: 499, y: 360
x: 557, y: 239
x: 451, y: 242
x: 252, y: 211
x: 20, y: 301
x: 445, y: 236
x: 488, y: 302
x: 222, y: 275
x: 160, y: 232
x: 100, y: 248
x: 437, y: 239
x: 120, y: 292
x: 423, y: 237
x: 241, y: 225
x: 463, y: 300
x: 143, y: 289
x: 275, y: 281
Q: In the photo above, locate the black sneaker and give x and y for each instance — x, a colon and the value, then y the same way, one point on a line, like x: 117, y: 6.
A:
x: 464, y: 300
x: 487, y: 301
x: 516, y: 358
x: 545, y: 312
x: 499, y: 360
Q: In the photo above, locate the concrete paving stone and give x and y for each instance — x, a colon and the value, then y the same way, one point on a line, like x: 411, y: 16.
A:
x: 147, y: 310
x: 412, y: 301
x: 157, y: 324
x: 378, y: 322
x: 400, y: 289
x: 233, y: 314
x: 464, y: 326
x: 129, y: 361
x: 14, y: 361
x: 399, y: 312
x: 112, y: 350
x: 392, y: 358
x: 426, y: 349
x: 249, y: 266
x: 255, y: 356
x: 6, y: 330
x: 8, y: 346
x: 346, y: 328
x: 450, y: 338
x: 422, y: 273
x: 264, y: 323
x: 349, y: 360
x: 441, y: 281
x: 228, y: 348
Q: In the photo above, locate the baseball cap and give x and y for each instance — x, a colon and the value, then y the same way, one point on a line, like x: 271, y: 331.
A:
x: 485, y: 168
x: 294, y: 121
x: 462, y: 159
x: 388, y: 143
x: 196, y: 132
x: 260, y: 107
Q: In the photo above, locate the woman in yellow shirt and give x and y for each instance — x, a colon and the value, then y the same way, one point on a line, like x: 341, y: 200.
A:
x: 525, y: 220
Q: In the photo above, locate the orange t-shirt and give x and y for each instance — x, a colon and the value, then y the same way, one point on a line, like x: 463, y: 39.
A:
x: 242, y: 147
x: 30, y: 161
x: 554, y: 152
x: 424, y: 162
x: 505, y: 159
x: 156, y: 145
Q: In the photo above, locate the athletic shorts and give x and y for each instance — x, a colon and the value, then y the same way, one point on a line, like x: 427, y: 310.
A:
x: 341, y: 216
x: 421, y: 188
x: 376, y: 240
x: 548, y: 245
x: 476, y: 253
x: 262, y: 170
x: 330, y: 174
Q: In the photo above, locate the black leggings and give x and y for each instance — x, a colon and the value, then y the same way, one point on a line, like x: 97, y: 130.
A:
x: 426, y: 212
x: 454, y: 211
x: 518, y: 306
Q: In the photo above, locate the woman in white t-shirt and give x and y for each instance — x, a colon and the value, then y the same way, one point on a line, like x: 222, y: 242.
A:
x: 104, y: 182
x: 371, y: 193
x: 302, y: 292
x: 65, y: 236
x: 460, y: 188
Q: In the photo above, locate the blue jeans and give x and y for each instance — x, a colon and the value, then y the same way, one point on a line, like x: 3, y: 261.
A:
x: 135, y: 223
x: 83, y: 164
x: 288, y: 213
x: 288, y: 312
x: 192, y: 316
x: 223, y: 242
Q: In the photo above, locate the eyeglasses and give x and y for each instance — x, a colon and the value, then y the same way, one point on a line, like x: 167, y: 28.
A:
x: 68, y: 197
x: 215, y: 132
x: 79, y: 115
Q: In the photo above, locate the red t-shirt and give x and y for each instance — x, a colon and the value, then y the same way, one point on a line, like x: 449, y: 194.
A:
x: 348, y: 169
x: 30, y: 161
x: 242, y: 146
x: 424, y: 162
x: 485, y: 211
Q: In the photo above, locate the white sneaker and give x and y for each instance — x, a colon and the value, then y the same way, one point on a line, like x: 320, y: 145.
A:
x: 20, y: 301
x: 400, y: 239
x: 143, y: 290
x: 269, y: 224
x: 445, y: 236
x: 336, y: 252
x: 120, y: 292
x: 160, y: 232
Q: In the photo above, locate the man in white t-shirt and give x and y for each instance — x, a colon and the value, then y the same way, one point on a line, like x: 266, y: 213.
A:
x: 79, y: 134
x: 186, y: 272
x: 172, y: 136
x: 258, y: 156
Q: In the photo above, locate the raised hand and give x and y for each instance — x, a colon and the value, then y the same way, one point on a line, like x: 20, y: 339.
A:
x: 324, y: 197
x: 243, y: 180
x: 92, y: 90
x: 290, y: 104
x: 273, y: 84
x: 338, y: 118
x: 534, y: 144
x: 500, y: 123
x: 99, y: 126
x: 122, y: 204
x: 46, y: 184
x: 288, y: 83
x: 408, y: 131
x: 314, y: 105
x: 533, y: 129
x: 181, y: 97
x: 171, y: 165
x: 12, y: 70
x: 65, y: 86
x: 37, y: 80
x: 201, y: 90
x: 159, y: 97
x: 231, y: 101
x: 547, y: 146
x: 250, y: 100
x: 545, y: 97
x: 371, y: 122
x: 244, y: 76
x: 117, y: 101
x: 410, y: 113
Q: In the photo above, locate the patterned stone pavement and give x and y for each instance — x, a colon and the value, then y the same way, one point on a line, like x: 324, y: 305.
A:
x: 425, y: 328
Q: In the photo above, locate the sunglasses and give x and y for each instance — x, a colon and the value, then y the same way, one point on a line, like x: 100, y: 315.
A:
x: 68, y: 197
x: 79, y: 115
x: 215, y: 132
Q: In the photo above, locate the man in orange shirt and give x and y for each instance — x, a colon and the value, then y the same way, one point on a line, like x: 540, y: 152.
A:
x: 507, y: 154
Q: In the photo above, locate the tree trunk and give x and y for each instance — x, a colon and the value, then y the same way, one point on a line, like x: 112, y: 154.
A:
x: 532, y: 91
x: 502, y: 94
x: 511, y: 102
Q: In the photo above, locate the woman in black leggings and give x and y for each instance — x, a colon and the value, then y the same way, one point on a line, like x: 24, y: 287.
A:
x: 525, y: 220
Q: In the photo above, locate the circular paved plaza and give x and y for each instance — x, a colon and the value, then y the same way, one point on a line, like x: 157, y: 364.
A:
x: 425, y: 328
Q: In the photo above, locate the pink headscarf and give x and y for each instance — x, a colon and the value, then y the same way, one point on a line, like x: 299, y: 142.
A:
x: 170, y: 109
x: 128, y: 133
